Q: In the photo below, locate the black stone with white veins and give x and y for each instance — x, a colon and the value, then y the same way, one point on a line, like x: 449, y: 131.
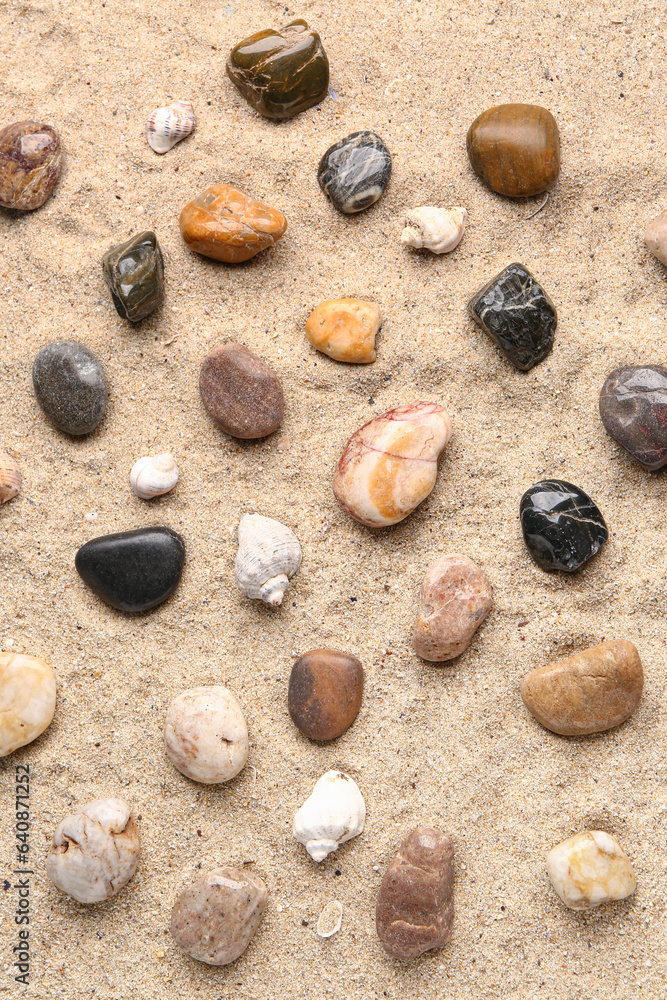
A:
x: 354, y: 172
x: 518, y: 316
x: 70, y: 386
x: 132, y: 570
x: 562, y: 527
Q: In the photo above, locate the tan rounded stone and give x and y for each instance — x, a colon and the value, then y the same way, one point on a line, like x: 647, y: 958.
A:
x: 27, y: 700
x: 226, y: 224
x: 656, y: 237
x: 456, y: 597
x: 591, y: 691
x: 345, y: 329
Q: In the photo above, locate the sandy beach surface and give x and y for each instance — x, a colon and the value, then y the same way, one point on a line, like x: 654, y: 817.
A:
x: 451, y: 746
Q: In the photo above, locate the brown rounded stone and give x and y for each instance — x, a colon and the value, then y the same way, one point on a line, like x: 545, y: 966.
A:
x: 225, y: 224
x: 456, y: 597
x: 515, y: 149
x: 415, y: 905
x: 325, y: 689
x: 30, y: 159
x: 588, y: 692
x: 241, y: 392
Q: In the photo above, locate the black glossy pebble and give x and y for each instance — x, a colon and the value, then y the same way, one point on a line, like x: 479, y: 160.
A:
x: 517, y: 314
x: 133, y: 570
x: 70, y: 386
x: 354, y: 172
x: 562, y: 527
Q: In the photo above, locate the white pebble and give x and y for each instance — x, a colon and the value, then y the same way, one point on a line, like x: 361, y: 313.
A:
x: 589, y: 869
x: 206, y: 735
x: 330, y: 919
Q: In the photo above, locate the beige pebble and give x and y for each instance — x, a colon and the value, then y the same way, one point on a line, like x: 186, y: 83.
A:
x: 345, y: 329
x: 27, y: 700
x: 656, y: 237
x: 206, y: 735
x: 216, y: 917
x: 589, y: 869
x: 456, y: 597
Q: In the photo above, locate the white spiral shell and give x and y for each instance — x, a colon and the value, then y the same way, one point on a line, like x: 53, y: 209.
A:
x: 269, y: 554
x: 334, y: 812
x: 437, y: 229
x: 168, y: 125
x: 154, y: 475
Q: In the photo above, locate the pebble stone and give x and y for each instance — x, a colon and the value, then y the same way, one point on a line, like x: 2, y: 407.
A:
x: 227, y: 225
x: 281, y: 73
x: 30, y: 160
x: 70, y: 386
x: 206, y: 735
x: 517, y: 314
x: 415, y: 905
x: 134, y: 272
x: 354, y: 172
x: 132, y: 570
x: 216, y: 917
x: 592, y: 690
x: 240, y: 392
x: 633, y: 408
x: 656, y: 237
x: 515, y: 149
x: 325, y: 690
x: 345, y: 329
x: 562, y: 527
x: 589, y: 869
x: 456, y: 597
x: 27, y: 700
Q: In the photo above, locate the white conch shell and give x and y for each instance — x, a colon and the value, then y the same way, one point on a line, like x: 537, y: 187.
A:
x: 269, y: 554
x: 154, y: 475
x: 437, y: 229
x: 168, y: 125
x: 334, y: 813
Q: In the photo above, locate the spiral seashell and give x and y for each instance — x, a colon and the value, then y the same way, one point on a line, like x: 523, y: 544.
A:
x: 269, y: 554
x: 10, y: 477
x: 437, y: 229
x: 168, y: 125
x: 154, y: 475
x: 334, y: 812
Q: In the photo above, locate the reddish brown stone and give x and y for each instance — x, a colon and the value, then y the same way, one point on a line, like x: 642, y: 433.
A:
x: 241, y: 392
x: 325, y: 689
x: 30, y: 158
x: 456, y: 597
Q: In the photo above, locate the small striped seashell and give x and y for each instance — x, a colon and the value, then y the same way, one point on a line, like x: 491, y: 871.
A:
x: 10, y: 477
x: 269, y: 554
x: 154, y: 475
x: 168, y: 125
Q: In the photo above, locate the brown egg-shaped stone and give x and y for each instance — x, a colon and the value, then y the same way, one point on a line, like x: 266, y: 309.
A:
x: 415, y: 905
x: 588, y: 692
x: 325, y: 689
x: 240, y: 392
x: 226, y: 224
x: 30, y: 159
x: 515, y: 149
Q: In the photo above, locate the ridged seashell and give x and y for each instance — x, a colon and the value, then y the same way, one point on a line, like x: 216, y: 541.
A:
x: 334, y: 812
x: 437, y: 229
x: 154, y: 475
x: 10, y: 477
x: 269, y: 554
x: 391, y: 463
x: 168, y: 125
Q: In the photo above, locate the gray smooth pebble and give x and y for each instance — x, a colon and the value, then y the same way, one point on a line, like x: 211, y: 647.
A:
x: 70, y: 386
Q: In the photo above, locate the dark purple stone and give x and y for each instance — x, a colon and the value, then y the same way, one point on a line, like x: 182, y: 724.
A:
x: 633, y: 408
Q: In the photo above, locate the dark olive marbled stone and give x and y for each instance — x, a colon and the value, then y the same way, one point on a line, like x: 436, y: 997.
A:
x: 633, y: 408
x: 30, y: 161
x: 518, y: 316
x: 134, y: 272
x: 281, y: 73
x: 132, y: 570
x: 70, y: 386
x: 561, y: 525
x: 354, y: 172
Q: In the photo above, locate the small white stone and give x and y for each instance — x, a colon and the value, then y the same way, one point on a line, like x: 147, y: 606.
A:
x: 589, y: 869
x: 330, y: 919
x: 91, y: 516
x: 206, y: 735
x: 439, y: 230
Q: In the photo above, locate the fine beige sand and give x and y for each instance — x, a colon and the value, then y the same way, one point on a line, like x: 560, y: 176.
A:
x: 451, y: 746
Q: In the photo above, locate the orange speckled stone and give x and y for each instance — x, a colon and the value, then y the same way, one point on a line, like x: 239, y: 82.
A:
x: 225, y: 224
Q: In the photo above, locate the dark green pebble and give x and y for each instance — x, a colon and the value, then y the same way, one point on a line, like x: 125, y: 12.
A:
x: 134, y: 272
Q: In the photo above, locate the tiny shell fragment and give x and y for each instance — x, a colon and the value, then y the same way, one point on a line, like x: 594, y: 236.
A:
x: 345, y: 329
x: 330, y: 919
x: 456, y: 597
x: 589, y: 869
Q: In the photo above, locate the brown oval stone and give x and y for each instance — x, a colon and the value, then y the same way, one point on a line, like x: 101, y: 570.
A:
x: 241, y: 392
x: 30, y: 159
x: 456, y: 597
x: 587, y: 692
x: 225, y: 224
x: 215, y: 918
x: 325, y: 689
x: 415, y: 905
x: 515, y: 149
